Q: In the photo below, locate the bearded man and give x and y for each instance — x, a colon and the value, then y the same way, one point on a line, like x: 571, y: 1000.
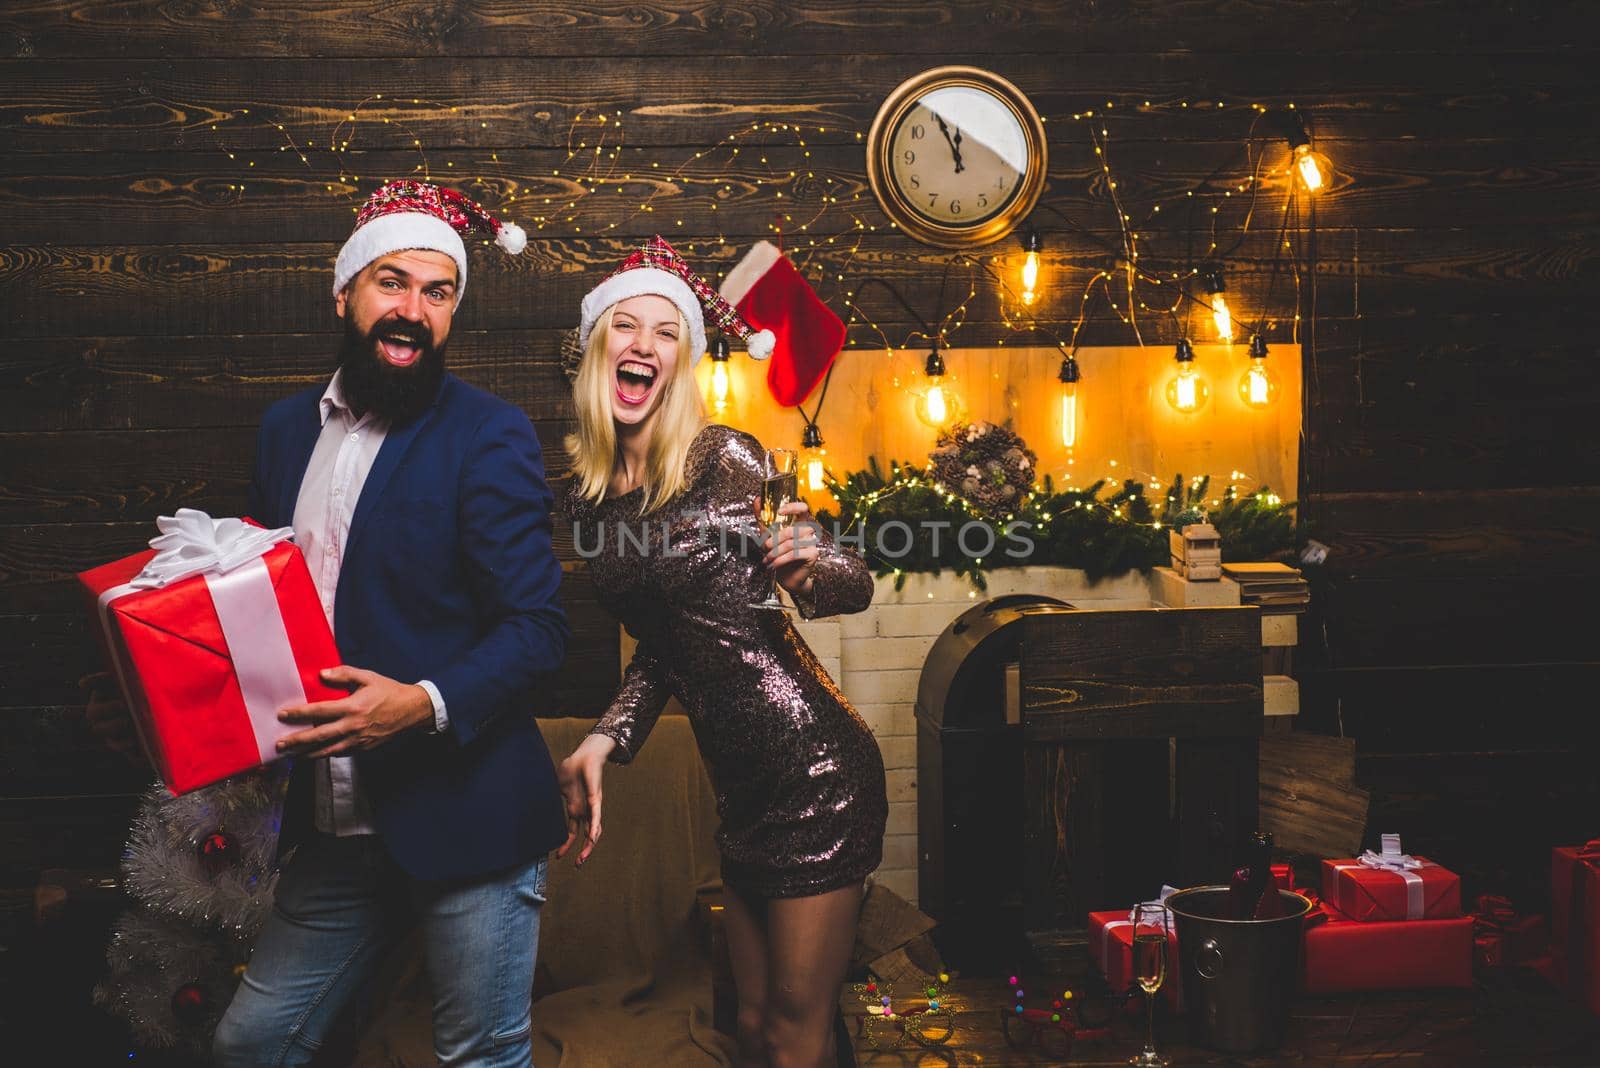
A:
x: 426, y: 797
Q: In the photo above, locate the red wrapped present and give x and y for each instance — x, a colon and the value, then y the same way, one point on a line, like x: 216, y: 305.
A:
x: 209, y: 635
x: 1111, y: 946
x: 1342, y: 954
x: 1575, y: 921
x: 1501, y: 938
x: 1391, y: 886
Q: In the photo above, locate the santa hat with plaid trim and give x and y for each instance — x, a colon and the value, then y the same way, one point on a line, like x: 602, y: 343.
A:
x: 419, y: 215
x: 658, y: 270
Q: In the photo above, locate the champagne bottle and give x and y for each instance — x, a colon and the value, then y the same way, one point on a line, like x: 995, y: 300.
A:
x: 1252, y: 892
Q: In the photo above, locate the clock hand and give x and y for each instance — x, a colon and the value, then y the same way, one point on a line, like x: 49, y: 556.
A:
x: 957, y: 146
x: 955, y: 153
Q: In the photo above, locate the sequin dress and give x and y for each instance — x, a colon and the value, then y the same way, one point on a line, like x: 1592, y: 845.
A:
x: 798, y: 775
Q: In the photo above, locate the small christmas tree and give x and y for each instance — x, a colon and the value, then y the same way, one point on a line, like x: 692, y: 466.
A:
x: 202, y: 868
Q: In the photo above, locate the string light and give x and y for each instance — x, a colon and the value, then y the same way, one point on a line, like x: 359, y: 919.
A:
x: 1258, y: 387
x: 1187, y: 392
x: 603, y: 175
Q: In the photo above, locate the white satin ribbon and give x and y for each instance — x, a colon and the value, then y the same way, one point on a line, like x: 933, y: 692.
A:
x: 228, y: 553
x: 263, y: 660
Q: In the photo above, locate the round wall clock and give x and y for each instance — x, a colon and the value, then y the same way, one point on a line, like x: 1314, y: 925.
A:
x: 956, y: 156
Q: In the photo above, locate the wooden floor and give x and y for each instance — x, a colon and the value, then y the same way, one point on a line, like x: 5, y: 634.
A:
x: 1512, y: 1018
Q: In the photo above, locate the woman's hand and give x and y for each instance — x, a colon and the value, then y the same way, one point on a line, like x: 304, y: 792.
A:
x: 791, y: 551
x: 579, y: 776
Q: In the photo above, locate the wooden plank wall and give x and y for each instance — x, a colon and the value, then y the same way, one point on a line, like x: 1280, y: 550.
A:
x: 151, y: 309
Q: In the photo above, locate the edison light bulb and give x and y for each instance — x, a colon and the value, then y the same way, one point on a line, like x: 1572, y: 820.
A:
x: 1069, y: 401
x: 721, y: 388
x: 1305, y: 161
x: 815, y: 472
x: 719, y: 385
x: 1224, y: 320
x: 1186, y: 391
x: 1030, y: 266
x: 1258, y: 388
x: 935, y: 405
x: 814, y: 458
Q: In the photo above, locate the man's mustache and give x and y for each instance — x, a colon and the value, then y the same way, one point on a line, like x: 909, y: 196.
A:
x: 417, y: 333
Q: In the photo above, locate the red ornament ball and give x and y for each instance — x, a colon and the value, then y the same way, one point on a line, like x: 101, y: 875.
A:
x: 190, y: 1003
x: 217, y: 852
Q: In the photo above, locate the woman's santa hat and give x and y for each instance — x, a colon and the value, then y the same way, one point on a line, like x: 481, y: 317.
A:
x: 419, y: 215
x: 656, y: 269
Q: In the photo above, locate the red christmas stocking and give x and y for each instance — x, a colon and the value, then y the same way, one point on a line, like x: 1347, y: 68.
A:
x: 771, y: 295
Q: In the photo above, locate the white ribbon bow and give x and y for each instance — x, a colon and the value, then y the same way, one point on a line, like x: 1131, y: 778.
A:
x: 1392, y: 858
x: 192, y: 543
x: 1161, y: 899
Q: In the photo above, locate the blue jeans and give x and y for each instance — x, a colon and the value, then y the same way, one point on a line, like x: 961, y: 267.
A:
x: 341, y: 902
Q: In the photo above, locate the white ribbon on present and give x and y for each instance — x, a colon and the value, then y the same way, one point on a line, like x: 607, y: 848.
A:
x: 1400, y: 863
x: 192, y: 543
x: 1107, y: 940
x: 227, y: 552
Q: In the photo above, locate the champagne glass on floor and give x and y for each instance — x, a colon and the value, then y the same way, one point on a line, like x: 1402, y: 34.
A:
x: 779, y: 486
x: 1150, y: 936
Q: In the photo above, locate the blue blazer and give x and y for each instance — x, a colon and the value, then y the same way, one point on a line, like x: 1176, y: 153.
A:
x: 448, y: 575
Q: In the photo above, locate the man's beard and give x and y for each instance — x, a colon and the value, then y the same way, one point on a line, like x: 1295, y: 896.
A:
x: 373, y: 384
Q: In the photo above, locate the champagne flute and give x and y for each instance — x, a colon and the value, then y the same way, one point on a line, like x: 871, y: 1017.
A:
x: 779, y: 486
x: 1150, y: 936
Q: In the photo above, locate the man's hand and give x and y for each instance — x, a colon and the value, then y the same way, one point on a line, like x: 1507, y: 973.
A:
x: 108, y: 718
x: 377, y: 709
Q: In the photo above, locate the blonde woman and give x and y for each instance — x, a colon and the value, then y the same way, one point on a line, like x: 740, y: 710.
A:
x: 659, y: 501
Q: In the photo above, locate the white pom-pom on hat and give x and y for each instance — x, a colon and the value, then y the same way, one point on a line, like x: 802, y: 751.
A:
x: 760, y: 344
x: 512, y: 238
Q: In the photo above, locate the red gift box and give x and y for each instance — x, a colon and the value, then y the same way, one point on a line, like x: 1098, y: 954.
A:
x: 1575, y: 921
x: 1501, y: 937
x: 1342, y: 954
x: 1111, y: 946
x: 208, y: 639
x: 1391, y: 886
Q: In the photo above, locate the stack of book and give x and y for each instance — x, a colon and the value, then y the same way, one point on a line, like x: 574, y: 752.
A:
x: 1277, y: 588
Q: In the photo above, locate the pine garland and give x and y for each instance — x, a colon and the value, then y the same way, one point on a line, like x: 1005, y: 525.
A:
x: 1103, y: 529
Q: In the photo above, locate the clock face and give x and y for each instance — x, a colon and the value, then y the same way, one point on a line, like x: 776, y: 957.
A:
x: 959, y: 156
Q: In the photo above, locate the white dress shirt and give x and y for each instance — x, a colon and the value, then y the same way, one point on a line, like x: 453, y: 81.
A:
x: 332, y: 485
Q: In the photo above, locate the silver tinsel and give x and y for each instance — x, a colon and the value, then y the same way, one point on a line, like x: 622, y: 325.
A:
x: 194, y: 923
x: 166, y: 872
x: 150, y: 957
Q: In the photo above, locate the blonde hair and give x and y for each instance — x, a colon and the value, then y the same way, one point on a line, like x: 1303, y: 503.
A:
x: 678, y: 416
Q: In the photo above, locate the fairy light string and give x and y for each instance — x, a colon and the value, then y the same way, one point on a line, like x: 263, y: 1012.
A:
x: 823, y: 224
